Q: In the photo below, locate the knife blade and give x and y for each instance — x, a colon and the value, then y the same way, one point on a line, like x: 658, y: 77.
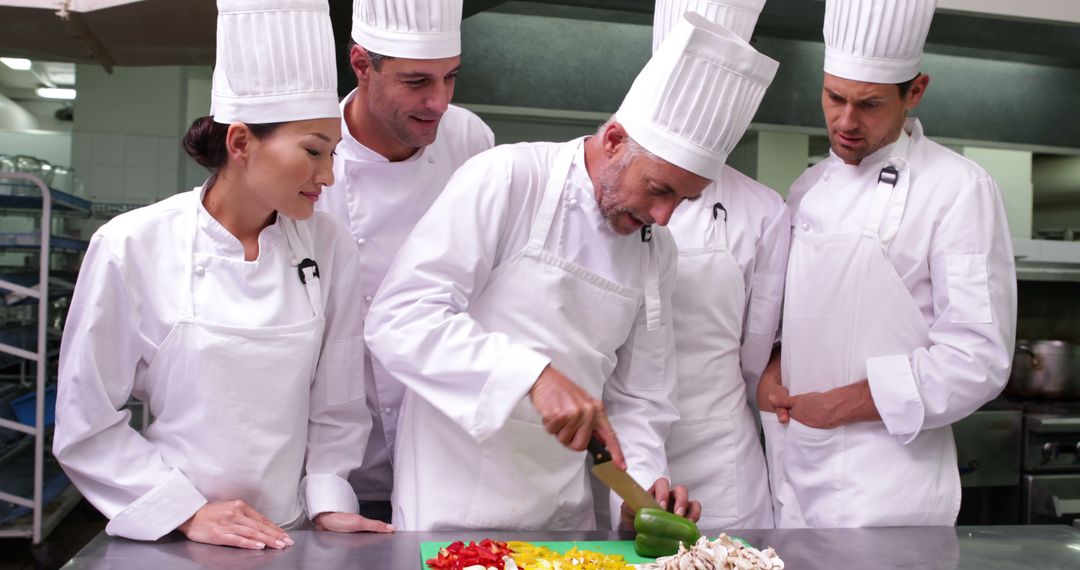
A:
x: 634, y: 495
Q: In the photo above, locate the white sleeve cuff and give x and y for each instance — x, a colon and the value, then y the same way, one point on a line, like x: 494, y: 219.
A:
x: 896, y: 395
x: 160, y: 511
x: 508, y: 384
x: 328, y: 493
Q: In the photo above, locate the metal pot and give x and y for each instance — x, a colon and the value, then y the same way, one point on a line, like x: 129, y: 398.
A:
x: 1045, y: 369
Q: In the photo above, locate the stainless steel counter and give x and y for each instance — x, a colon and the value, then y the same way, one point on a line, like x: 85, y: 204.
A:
x: 983, y: 548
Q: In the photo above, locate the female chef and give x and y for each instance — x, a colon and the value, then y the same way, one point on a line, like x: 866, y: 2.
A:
x: 225, y: 310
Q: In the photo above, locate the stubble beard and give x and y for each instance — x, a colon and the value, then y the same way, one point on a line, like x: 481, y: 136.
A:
x: 857, y: 155
x: 397, y: 124
x: 610, y: 206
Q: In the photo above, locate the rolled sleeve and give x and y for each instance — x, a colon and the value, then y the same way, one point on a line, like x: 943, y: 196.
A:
x: 971, y: 337
x: 896, y: 395
x: 328, y: 493
x: 159, y: 511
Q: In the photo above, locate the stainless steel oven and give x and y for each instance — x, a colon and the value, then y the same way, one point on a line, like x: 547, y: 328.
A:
x: 1051, y: 451
x: 988, y: 451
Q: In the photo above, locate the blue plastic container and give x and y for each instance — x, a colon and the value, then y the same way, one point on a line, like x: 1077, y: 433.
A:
x: 25, y: 408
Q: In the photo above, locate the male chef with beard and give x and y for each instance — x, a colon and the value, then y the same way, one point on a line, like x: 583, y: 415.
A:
x: 531, y: 307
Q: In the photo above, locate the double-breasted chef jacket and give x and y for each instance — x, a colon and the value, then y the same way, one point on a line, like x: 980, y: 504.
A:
x: 901, y: 272
x: 249, y: 372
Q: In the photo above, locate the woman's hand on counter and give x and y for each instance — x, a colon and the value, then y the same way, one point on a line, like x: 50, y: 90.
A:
x: 234, y: 523
x: 349, y: 522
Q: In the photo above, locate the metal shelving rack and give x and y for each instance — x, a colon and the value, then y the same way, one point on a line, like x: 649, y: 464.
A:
x: 44, y: 517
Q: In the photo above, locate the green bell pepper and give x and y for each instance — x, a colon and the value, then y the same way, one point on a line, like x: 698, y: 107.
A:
x: 660, y: 532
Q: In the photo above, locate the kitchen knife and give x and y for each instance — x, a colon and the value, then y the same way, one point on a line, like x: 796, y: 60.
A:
x: 620, y: 481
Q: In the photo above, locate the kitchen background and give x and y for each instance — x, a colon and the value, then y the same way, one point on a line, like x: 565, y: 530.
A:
x: 1004, y: 91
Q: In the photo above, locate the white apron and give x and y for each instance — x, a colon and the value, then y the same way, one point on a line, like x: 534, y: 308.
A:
x: 845, y: 303
x: 245, y: 435
x: 522, y: 477
x: 714, y: 448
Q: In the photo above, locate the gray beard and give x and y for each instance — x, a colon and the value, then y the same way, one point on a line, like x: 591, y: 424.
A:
x: 609, y: 186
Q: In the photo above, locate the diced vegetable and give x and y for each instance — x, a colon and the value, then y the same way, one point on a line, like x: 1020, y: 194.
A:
x: 661, y: 532
x: 532, y: 557
x: 458, y: 556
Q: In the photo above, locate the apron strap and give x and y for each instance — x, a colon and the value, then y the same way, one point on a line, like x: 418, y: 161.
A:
x: 298, y: 234
x: 716, y: 235
x: 890, y: 195
x: 650, y: 271
x: 891, y: 223
x: 552, y: 193
x: 889, y: 179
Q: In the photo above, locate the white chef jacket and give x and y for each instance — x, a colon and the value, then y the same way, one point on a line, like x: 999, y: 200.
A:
x: 437, y: 351
x: 954, y: 254
x: 127, y: 300
x: 758, y: 231
x: 379, y: 202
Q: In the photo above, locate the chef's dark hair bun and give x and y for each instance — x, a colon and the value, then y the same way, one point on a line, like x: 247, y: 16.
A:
x: 205, y: 140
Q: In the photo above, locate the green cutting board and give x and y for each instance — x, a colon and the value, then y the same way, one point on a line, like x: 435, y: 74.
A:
x: 625, y: 548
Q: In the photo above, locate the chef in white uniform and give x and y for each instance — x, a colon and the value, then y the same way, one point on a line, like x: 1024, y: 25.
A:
x: 733, y: 246
x: 900, y: 305
x: 532, y: 303
x: 401, y: 141
x: 227, y: 311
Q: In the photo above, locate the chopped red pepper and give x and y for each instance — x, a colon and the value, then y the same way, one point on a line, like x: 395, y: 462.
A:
x: 457, y: 556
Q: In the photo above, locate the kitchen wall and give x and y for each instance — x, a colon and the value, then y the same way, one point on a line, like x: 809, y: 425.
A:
x: 128, y: 129
x: 54, y: 147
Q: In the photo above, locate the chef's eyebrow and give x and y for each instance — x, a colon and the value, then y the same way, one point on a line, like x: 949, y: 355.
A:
x: 872, y: 98
x: 422, y: 75
x: 322, y: 136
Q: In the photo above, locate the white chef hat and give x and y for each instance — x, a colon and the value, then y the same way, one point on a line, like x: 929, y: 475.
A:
x: 413, y: 29
x: 739, y: 16
x: 275, y: 62
x: 695, y: 97
x: 877, y: 41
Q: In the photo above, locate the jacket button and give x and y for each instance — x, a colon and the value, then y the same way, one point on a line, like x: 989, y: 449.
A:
x: 431, y: 160
x: 360, y: 241
x: 368, y: 298
x: 388, y: 411
x: 200, y: 270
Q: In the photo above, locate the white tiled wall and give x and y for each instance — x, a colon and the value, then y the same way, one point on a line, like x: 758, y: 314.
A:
x: 126, y: 146
x: 127, y: 168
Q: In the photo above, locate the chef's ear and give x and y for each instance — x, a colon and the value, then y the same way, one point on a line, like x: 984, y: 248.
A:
x: 916, y: 91
x: 614, y: 138
x: 360, y: 62
x: 238, y: 142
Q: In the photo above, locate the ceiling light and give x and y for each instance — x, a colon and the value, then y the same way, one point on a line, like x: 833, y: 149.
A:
x: 55, y: 93
x: 16, y: 63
